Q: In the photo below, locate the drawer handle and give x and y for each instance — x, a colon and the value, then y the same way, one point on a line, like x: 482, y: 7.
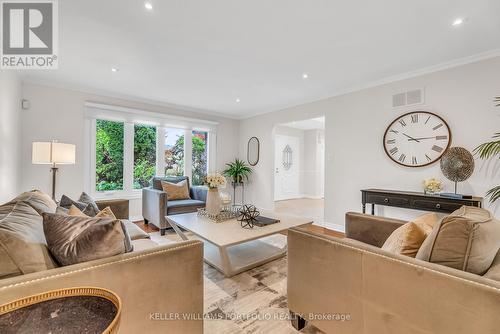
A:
x: 386, y: 200
x: 438, y: 206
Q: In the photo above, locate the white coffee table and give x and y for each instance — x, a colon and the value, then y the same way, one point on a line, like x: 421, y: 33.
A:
x: 232, y: 249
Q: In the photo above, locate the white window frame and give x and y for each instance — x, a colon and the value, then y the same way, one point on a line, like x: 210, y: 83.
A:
x: 129, y: 117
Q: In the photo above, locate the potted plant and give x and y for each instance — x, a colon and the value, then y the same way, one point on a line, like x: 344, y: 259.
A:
x: 238, y: 171
x: 489, y: 150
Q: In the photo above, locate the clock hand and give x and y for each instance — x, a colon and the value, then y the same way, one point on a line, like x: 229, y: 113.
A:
x: 417, y: 139
x: 411, y: 138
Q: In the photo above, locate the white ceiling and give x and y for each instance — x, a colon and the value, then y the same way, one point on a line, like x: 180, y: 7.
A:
x: 307, y: 124
x: 206, y: 54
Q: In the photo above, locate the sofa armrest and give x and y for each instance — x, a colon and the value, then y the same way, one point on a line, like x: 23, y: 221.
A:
x: 383, y: 292
x: 120, y: 207
x: 154, y: 206
x: 199, y: 193
x: 372, y: 230
x: 160, y: 280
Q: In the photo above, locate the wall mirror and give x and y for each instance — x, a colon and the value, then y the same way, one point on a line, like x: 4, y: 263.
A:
x: 253, y: 151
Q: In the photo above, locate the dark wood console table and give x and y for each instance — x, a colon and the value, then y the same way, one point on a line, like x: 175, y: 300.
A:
x: 414, y: 200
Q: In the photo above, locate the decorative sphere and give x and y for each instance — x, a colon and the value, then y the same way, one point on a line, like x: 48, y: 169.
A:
x: 247, y: 216
x: 457, y: 164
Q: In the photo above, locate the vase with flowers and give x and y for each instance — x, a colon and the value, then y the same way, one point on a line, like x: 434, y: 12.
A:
x: 432, y: 186
x: 214, y: 182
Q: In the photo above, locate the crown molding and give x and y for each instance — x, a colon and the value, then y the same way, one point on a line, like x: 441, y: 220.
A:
x: 392, y: 79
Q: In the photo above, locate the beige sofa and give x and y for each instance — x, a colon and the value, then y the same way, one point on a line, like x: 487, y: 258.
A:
x: 152, y: 281
x: 351, y: 286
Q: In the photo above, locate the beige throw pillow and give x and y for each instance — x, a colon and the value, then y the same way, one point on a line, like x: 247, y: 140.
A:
x: 104, y: 213
x: 468, y: 239
x: 405, y: 240
x: 176, y: 191
x: 74, y: 239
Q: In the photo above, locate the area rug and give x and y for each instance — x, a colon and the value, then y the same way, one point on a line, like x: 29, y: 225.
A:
x: 251, y: 302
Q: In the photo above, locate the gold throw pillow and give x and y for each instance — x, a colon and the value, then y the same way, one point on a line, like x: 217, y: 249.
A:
x: 176, y: 191
x: 104, y: 213
x: 405, y: 240
x: 427, y: 222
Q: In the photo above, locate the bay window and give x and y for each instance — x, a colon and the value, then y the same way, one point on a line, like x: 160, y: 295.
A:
x: 126, y: 148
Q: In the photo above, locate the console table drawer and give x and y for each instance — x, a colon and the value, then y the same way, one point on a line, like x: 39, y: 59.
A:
x: 387, y: 200
x: 436, y: 205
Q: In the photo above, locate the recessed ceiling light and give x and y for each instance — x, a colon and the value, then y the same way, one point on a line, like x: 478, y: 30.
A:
x: 305, y: 76
x: 238, y: 100
x: 458, y: 21
x: 114, y: 69
x: 148, y: 5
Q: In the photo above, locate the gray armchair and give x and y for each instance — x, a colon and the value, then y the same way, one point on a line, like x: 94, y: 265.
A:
x: 155, y: 205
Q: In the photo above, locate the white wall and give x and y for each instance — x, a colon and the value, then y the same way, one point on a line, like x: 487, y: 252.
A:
x: 57, y: 113
x: 10, y: 135
x: 314, y: 164
x: 355, y: 125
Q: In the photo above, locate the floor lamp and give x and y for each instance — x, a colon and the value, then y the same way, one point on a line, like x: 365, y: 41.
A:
x: 53, y: 153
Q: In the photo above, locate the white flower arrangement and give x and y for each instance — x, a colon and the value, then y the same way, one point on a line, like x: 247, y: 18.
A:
x: 433, y: 186
x: 215, y: 180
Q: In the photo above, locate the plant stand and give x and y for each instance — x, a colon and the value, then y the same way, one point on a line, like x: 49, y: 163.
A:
x: 235, y: 185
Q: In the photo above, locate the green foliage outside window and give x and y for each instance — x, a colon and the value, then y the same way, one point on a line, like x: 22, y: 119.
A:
x: 109, y: 155
x: 144, y: 155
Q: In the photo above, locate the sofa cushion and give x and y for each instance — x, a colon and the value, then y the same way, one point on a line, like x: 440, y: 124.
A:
x: 405, y: 240
x: 23, y: 248
x: 143, y: 244
x: 468, y: 239
x: 176, y: 191
x: 73, y: 239
x: 156, y: 181
x: 184, y: 206
x: 134, y: 231
x: 38, y: 200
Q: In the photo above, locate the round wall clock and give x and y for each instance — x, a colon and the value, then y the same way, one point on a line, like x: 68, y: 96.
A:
x: 417, y: 139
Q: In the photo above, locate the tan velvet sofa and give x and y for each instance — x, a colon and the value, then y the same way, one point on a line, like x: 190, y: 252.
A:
x: 152, y: 281
x: 351, y: 286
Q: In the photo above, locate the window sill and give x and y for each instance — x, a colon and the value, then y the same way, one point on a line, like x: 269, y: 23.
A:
x: 117, y: 195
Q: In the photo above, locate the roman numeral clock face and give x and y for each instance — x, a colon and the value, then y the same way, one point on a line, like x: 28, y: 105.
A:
x: 417, y: 139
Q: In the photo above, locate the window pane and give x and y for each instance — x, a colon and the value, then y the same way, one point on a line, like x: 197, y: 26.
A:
x: 174, y: 152
x: 109, y: 155
x: 200, y: 162
x: 144, y: 155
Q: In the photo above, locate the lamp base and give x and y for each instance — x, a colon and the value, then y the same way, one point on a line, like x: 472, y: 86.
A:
x: 54, y: 170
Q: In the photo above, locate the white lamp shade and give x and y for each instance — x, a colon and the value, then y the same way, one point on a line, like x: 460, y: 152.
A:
x: 45, y: 153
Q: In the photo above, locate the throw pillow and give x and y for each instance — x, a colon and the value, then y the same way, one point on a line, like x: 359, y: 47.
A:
x: 73, y: 239
x: 176, y: 191
x: 85, y: 198
x: 86, y: 208
x: 427, y: 222
x: 38, y: 200
x: 468, y: 239
x: 104, y: 213
x: 405, y: 240
x: 494, y: 271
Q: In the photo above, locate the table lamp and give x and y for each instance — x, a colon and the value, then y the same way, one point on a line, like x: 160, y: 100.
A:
x: 53, y: 153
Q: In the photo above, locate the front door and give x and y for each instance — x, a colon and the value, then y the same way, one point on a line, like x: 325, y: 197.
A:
x: 286, y: 167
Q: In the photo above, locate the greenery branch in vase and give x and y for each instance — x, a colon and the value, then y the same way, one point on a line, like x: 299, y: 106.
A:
x: 490, y: 150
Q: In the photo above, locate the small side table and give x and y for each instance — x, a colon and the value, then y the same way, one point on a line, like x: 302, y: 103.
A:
x: 67, y: 311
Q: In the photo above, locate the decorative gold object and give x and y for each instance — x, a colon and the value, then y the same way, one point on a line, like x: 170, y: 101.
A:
x: 69, y: 292
x: 227, y: 214
x: 457, y: 165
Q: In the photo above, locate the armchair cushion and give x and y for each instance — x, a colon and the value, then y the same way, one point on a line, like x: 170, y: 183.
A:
x: 184, y: 206
x: 156, y: 181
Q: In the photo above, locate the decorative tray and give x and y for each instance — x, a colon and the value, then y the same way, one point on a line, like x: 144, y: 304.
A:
x: 228, y: 213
